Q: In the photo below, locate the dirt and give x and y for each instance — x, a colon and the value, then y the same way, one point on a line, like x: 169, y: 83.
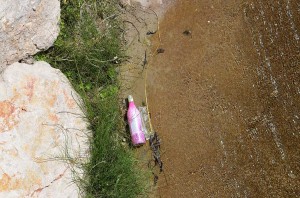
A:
x: 223, y: 98
x: 140, y: 22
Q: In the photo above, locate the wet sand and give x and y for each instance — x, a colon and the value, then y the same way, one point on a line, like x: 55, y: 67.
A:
x: 225, y: 99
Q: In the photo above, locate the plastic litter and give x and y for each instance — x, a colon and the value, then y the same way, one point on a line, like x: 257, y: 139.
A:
x: 135, y: 123
x: 145, y: 122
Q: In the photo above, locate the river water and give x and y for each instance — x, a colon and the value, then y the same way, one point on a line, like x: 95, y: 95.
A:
x: 225, y: 98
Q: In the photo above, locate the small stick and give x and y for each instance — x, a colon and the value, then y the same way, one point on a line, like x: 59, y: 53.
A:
x: 139, y: 39
x: 145, y: 60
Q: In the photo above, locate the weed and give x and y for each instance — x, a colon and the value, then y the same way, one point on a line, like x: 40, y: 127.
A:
x: 88, y: 51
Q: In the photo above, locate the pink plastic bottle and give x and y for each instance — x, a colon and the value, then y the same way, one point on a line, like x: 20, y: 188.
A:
x: 135, y: 123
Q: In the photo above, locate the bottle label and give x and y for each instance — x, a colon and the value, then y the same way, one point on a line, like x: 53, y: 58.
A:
x: 135, y: 127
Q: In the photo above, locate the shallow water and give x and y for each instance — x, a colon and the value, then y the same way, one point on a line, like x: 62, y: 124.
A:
x: 226, y: 99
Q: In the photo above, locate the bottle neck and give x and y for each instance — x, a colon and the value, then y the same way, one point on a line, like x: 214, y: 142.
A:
x: 131, y: 104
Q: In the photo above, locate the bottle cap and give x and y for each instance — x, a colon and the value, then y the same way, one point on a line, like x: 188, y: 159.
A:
x: 130, y: 98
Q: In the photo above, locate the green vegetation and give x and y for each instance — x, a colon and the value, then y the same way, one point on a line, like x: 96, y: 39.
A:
x: 88, y: 51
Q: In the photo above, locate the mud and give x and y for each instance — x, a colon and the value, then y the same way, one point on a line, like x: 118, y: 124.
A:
x: 225, y: 99
x: 140, y: 21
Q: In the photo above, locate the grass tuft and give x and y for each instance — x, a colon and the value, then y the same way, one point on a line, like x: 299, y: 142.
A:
x: 88, y: 51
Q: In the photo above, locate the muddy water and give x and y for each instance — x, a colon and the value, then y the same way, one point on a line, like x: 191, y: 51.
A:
x: 225, y: 99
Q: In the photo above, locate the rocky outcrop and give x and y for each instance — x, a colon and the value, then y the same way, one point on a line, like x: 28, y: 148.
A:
x: 41, y: 124
x: 26, y: 27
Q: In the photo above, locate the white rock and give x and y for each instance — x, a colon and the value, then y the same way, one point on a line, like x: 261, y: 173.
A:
x: 39, y: 121
x: 144, y: 3
x: 26, y: 27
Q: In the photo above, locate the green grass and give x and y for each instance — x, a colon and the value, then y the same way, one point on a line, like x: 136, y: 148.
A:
x: 87, y: 51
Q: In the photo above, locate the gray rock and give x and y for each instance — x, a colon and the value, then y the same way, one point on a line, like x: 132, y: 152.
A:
x: 26, y: 27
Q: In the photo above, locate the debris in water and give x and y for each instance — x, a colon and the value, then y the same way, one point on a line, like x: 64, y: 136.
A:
x: 160, y: 50
x: 292, y: 175
x: 154, y: 142
x: 155, y: 146
x: 145, y: 60
x: 187, y: 33
x: 150, y: 32
x: 155, y: 179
